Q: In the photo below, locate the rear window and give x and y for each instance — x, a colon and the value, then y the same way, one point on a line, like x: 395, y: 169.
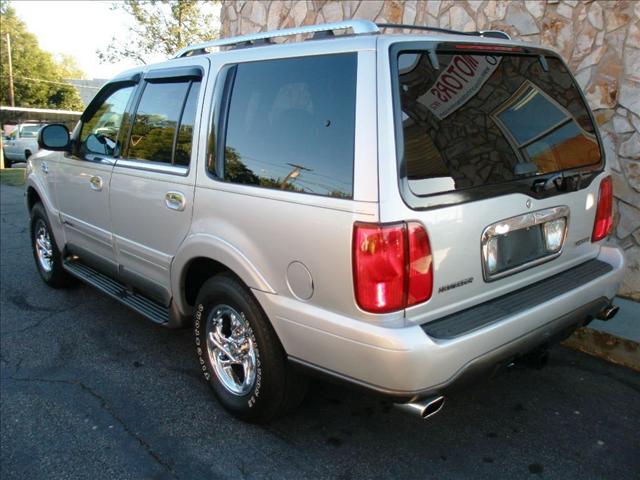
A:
x: 487, y: 119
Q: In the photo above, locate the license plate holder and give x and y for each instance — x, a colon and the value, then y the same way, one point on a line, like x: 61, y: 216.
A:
x: 517, y: 243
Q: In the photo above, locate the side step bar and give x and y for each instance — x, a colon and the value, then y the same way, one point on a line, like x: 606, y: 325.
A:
x: 141, y: 304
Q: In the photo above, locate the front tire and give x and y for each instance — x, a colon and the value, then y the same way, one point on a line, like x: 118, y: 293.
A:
x: 240, y: 355
x: 45, y: 251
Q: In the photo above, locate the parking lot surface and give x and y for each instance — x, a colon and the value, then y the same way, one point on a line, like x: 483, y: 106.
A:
x: 89, y: 389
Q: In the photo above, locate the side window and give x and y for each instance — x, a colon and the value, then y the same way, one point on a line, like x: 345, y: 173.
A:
x: 100, y: 131
x: 163, y: 125
x: 291, y: 125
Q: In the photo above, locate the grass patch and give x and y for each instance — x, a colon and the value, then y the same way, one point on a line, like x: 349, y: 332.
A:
x: 13, y: 176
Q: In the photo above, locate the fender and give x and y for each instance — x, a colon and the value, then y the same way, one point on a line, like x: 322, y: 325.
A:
x: 35, y: 182
x: 215, y: 248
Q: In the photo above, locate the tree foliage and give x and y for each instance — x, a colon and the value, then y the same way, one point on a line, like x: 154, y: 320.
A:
x: 161, y: 27
x: 38, y: 80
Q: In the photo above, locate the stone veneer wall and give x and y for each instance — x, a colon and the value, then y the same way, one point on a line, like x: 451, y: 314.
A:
x: 600, y: 40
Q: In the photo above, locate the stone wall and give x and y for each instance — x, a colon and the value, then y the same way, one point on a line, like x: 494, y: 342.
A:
x: 600, y: 40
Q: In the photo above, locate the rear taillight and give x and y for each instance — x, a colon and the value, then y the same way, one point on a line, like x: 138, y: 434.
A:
x: 391, y: 266
x: 420, y: 271
x: 604, y: 211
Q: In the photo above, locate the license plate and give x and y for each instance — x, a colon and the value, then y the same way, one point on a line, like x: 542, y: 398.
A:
x: 521, y: 242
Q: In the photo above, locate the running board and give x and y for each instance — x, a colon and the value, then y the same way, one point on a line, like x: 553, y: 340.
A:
x: 141, y: 304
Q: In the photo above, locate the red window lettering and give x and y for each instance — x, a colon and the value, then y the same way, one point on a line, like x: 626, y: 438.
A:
x: 463, y: 66
x: 451, y: 81
x: 469, y: 60
x: 452, y: 70
x: 441, y: 96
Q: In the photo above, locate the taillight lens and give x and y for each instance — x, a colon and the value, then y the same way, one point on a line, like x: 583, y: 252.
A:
x: 604, y: 212
x: 420, y: 270
x: 379, y: 266
x: 391, y: 266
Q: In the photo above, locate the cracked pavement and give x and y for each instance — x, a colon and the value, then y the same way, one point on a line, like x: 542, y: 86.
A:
x: 89, y: 389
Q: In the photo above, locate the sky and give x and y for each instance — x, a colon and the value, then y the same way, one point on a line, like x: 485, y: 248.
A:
x: 76, y: 28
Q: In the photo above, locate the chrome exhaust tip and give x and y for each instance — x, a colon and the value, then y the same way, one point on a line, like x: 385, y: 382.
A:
x: 423, y: 407
x: 608, y: 312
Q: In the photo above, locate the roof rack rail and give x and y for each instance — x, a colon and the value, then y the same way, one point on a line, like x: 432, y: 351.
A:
x: 356, y: 26
x: 480, y: 33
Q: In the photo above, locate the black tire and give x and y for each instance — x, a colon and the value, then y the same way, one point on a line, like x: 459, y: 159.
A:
x: 7, y: 162
x: 56, y: 276
x: 277, y: 388
x: 27, y: 154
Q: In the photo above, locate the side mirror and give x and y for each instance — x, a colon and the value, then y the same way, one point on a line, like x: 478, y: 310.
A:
x: 54, y: 137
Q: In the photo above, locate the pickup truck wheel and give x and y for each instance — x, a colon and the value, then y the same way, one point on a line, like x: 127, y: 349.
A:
x: 45, y: 251
x: 240, y: 355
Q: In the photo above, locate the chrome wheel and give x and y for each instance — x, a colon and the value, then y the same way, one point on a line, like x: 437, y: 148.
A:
x: 231, y: 348
x: 43, y: 246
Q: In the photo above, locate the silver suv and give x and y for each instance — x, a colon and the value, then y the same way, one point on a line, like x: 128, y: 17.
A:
x: 400, y: 212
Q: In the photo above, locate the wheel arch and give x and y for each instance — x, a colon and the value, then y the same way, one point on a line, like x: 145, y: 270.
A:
x: 202, y: 256
x: 32, y: 197
x: 36, y: 192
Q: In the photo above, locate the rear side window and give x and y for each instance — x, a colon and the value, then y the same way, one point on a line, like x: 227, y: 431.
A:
x: 487, y: 119
x: 290, y: 125
x: 162, y: 129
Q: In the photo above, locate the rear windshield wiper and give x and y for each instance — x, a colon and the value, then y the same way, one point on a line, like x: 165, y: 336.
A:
x: 564, y: 182
x: 540, y: 185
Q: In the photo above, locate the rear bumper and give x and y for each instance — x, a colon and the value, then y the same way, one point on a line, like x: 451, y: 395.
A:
x: 407, y: 362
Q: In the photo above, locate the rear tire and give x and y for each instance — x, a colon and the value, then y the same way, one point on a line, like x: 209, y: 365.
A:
x: 254, y: 382
x: 45, y: 251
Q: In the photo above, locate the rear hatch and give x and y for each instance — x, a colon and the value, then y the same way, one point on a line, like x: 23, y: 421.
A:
x: 499, y: 157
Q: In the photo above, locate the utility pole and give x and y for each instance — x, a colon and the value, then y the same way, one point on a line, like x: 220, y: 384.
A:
x: 293, y: 174
x: 11, y: 101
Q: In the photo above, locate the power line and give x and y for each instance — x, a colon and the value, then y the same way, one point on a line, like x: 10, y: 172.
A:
x: 68, y: 84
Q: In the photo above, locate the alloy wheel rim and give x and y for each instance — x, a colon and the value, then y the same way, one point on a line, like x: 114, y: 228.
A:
x: 44, y: 249
x: 231, y: 349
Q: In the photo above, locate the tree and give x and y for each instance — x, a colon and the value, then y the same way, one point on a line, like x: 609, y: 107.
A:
x: 161, y: 27
x: 69, y: 68
x: 39, y: 81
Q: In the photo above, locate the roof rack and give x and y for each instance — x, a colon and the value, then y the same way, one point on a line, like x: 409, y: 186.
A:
x: 325, y: 30
x: 480, y: 33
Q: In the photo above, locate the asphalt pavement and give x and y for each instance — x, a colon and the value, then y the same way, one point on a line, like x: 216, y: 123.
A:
x: 89, y: 389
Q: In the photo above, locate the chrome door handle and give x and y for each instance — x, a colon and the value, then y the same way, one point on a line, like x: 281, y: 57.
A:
x: 175, y: 201
x: 96, y: 183
x: 44, y: 167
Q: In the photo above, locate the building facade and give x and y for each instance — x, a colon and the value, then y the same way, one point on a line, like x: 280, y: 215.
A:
x: 600, y: 40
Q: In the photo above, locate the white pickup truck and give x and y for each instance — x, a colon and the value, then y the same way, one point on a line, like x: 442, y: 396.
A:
x: 21, y: 143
